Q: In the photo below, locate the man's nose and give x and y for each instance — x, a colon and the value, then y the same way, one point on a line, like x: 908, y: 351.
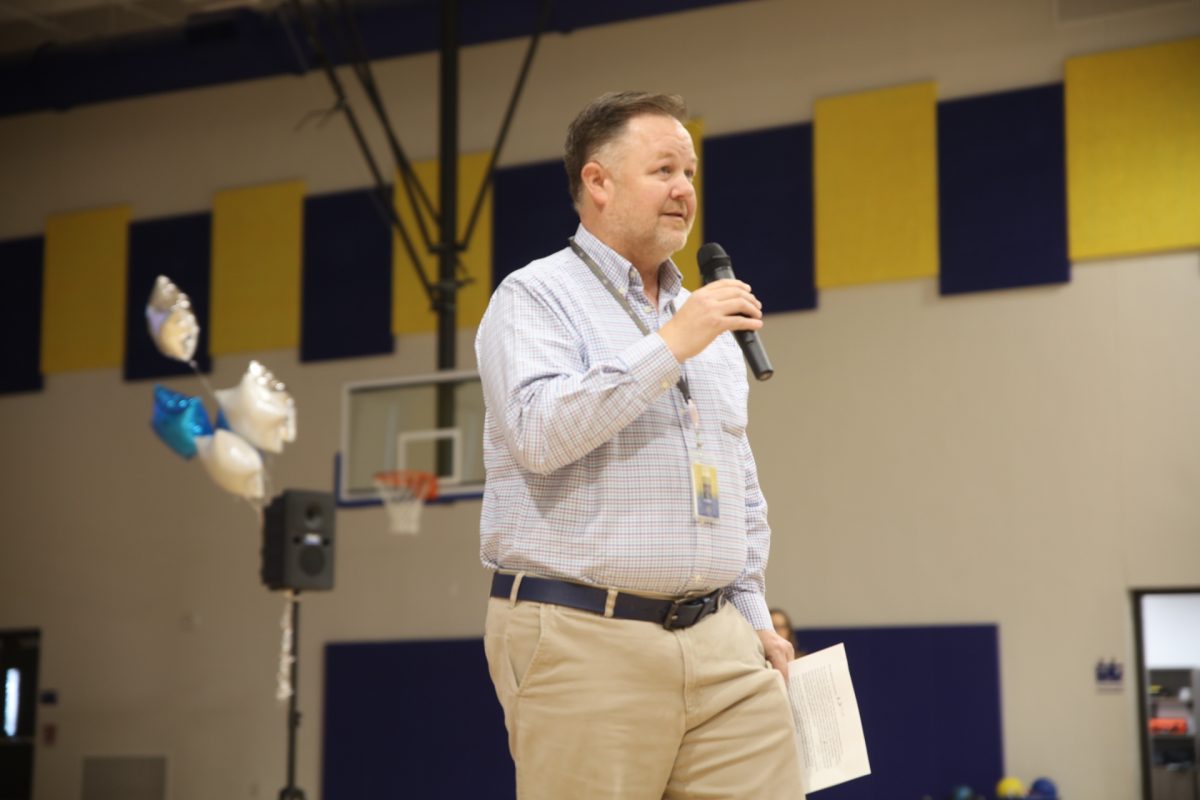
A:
x: 682, y: 188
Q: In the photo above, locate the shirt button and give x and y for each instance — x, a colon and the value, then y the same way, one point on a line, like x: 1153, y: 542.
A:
x: 666, y: 385
x: 695, y: 579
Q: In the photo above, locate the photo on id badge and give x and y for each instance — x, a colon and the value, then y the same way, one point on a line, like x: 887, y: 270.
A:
x: 706, y: 496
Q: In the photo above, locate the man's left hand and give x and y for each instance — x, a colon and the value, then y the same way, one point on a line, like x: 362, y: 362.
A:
x: 779, y: 651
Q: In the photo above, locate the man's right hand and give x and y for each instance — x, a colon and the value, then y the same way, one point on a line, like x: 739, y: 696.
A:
x: 725, y: 305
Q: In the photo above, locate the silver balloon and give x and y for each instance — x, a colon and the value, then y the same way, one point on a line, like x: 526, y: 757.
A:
x: 260, y: 409
x: 172, y: 322
x: 232, y: 463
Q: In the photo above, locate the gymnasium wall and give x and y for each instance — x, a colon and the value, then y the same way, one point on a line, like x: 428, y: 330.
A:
x: 1020, y: 457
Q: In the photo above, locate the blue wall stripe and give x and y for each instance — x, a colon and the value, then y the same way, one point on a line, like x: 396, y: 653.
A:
x: 346, y: 300
x: 21, y: 314
x: 1002, y: 192
x: 179, y: 248
x: 242, y: 44
x: 758, y: 205
x: 931, y: 719
x: 532, y: 216
x: 401, y: 716
x: 413, y: 719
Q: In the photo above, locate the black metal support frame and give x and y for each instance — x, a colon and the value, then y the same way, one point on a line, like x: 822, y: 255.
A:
x: 442, y: 293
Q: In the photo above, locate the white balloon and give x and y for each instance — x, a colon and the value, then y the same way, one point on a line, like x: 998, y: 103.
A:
x: 234, y: 465
x: 172, y: 323
x: 260, y: 409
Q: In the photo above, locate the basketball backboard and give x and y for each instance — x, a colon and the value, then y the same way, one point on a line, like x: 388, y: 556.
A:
x: 431, y: 422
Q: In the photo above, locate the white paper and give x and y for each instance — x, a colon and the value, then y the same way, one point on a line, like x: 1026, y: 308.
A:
x: 829, y: 735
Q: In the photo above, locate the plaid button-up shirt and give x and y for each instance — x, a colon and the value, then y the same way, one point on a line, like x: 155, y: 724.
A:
x: 588, y: 443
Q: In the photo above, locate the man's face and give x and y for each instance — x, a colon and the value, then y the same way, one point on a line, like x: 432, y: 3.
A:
x: 652, y: 204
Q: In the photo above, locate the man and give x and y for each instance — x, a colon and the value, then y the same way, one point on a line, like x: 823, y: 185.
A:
x: 613, y: 397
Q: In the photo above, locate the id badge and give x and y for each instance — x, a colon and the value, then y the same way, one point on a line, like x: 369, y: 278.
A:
x: 706, y: 494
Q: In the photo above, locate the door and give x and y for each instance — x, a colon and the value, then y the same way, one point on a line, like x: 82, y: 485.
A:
x: 1167, y: 627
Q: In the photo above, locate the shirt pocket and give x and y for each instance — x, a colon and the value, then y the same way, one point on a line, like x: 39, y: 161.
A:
x: 727, y: 387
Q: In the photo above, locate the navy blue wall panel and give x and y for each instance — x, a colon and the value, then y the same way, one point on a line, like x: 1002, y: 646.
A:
x: 413, y: 719
x: 21, y: 314
x: 758, y: 205
x: 420, y: 719
x: 346, y: 302
x: 1002, y: 192
x: 180, y: 248
x: 930, y: 704
x: 532, y: 215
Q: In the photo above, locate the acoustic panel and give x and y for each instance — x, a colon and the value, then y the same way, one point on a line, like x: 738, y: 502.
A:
x: 929, y: 698
x: 758, y: 205
x: 875, y: 158
x: 1002, y: 193
x: 411, y: 312
x: 83, y: 299
x: 402, y: 718
x: 21, y: 314
x: 413, y: 719
x: 1133, y: 150
x: 533, y: 217
x: 256, y: 242
x: 346, y: 307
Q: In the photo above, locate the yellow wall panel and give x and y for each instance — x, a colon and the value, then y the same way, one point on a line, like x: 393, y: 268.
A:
x: 875, y: 164
x: 685, y: 259
x: 257, y: 243
x: 410, y: 307
x: 83, y: 295
x: 1133, y: 150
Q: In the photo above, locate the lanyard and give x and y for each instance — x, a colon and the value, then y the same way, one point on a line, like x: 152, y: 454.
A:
x: 624, y: 303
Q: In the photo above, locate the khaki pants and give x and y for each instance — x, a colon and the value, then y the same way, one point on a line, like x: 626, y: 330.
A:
x: 600, y: 708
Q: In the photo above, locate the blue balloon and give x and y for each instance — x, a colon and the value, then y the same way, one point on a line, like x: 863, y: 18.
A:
x: 962, y: 793
x: 1043, y: 789
x: 178, y: 420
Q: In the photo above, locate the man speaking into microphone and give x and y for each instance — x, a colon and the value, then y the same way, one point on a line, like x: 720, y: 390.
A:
x: 627, y: 633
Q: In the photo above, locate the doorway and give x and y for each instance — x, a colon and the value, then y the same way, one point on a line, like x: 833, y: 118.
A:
x: 1167, y: 650
x: 18, y: 701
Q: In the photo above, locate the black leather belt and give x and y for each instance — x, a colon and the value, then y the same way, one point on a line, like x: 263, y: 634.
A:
x: 671, y: 614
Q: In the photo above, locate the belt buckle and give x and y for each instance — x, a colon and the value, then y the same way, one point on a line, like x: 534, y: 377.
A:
x: 686, y: 613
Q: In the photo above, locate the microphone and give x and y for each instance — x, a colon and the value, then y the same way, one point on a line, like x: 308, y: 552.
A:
x: 715, y: 265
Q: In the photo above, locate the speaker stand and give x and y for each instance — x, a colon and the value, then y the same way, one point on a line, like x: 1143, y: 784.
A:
x: 291, y: 791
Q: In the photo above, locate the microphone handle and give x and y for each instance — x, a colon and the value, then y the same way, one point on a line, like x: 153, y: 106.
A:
x: 755, y: 355
x: 752, y: 349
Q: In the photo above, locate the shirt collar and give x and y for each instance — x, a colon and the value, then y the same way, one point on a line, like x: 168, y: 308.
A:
x: 621, y: 271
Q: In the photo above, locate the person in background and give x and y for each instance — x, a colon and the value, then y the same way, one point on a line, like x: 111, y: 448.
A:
x: 783, y: 626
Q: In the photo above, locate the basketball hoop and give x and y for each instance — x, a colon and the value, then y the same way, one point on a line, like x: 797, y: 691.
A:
x: 404, y: 492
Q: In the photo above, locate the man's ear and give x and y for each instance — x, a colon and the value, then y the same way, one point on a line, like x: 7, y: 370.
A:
x: 595, y: 182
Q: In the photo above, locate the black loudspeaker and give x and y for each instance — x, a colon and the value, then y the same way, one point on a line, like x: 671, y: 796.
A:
x: 298, y: 539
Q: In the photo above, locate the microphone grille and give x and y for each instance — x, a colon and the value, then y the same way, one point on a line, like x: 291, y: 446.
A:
x: 712, y: 257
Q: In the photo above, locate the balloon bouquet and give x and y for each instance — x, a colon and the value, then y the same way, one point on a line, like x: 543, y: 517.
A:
x: 1009, y: 789
x: 258, y: 414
